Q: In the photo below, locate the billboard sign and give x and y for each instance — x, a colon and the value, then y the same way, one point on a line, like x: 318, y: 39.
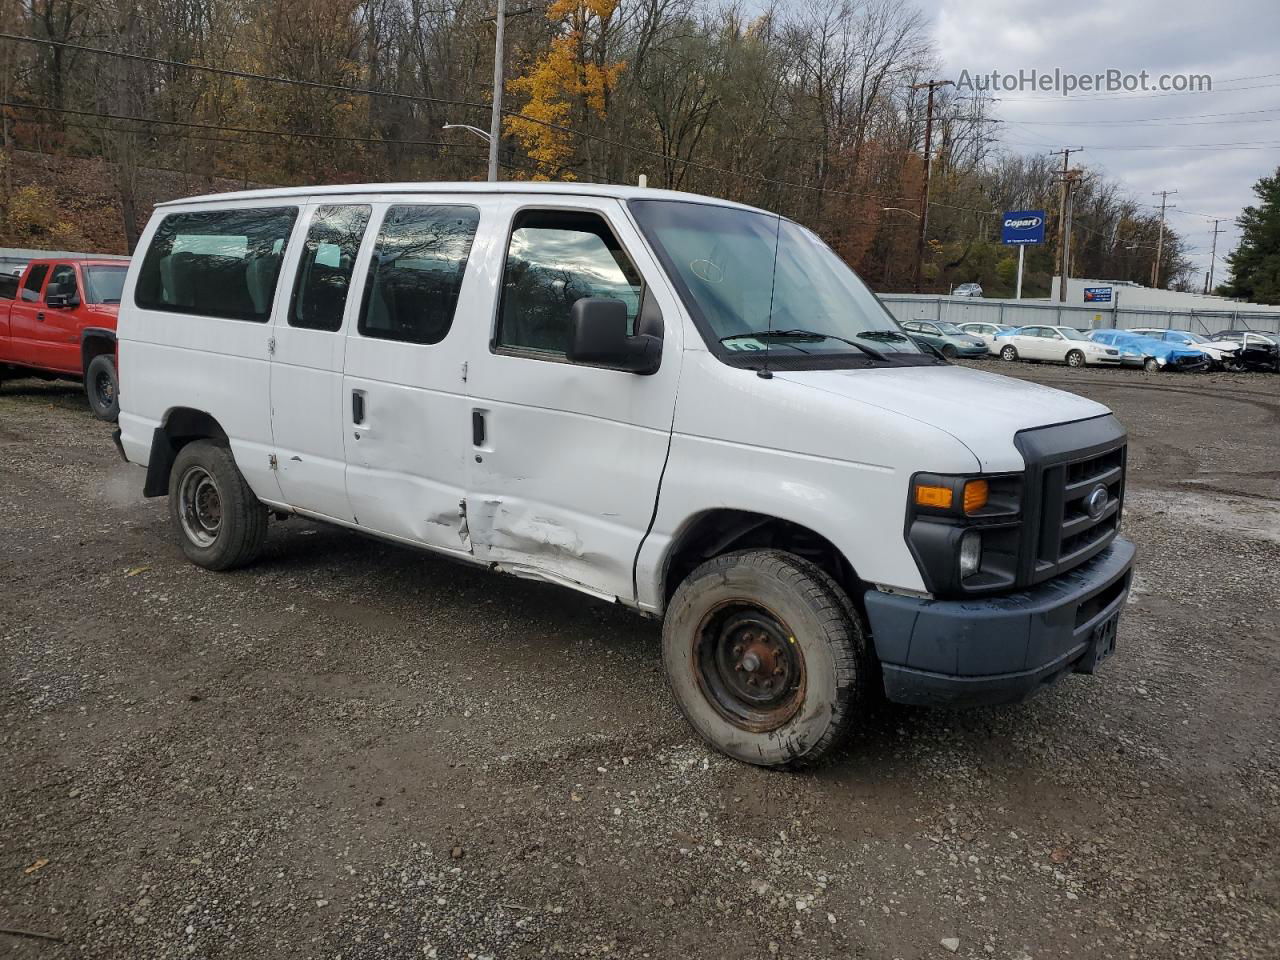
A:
x: 1097, y: 294
x: 1023, y: 226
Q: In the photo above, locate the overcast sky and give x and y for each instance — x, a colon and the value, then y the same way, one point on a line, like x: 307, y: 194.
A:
x: 1228, y: 39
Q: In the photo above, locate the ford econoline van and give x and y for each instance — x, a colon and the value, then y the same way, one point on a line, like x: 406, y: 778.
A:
x: 687, y: 406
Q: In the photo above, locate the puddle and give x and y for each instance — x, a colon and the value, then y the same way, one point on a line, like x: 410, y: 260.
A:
x: 1255, y: 519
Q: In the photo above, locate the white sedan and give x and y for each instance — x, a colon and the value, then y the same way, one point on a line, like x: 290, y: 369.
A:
x: 987, y: 333
x: 1057, y: 345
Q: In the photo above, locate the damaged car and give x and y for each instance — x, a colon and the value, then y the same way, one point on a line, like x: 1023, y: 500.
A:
x: 689, y: 407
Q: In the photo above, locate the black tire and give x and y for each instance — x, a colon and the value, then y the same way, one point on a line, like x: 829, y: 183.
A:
x: 1008, y: 352
x: 102, y: 386
x: 825, y: 660
x: 949, y: 351
x: 220, y: 523
x: 1151, y: 365
x: 1075, y: 359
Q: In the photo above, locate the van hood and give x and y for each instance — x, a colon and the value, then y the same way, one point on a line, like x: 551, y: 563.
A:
x: 981, y: 410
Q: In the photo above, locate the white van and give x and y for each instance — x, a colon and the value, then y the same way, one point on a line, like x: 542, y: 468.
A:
x: 687, y: 406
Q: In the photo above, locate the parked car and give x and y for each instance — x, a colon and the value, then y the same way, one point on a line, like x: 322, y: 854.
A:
x: 986, y: 332
x: 61, y: 323
x: 1257, y: 351
x: 1057, y: 344
x: 967, y: 290
x: 1224, y: 353
x: 1152, y: 354
x: 822, y: 514
x: 946, y: 338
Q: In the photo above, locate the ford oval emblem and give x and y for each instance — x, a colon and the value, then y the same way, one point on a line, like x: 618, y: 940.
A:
x: 1096, y: 502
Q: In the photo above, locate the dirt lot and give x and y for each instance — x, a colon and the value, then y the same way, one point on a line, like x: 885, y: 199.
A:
x: 355, y: 750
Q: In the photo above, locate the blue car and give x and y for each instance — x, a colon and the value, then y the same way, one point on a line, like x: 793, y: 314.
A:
x: 1151, y: 354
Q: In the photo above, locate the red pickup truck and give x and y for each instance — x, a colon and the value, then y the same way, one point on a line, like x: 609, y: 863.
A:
x: 60, y: 322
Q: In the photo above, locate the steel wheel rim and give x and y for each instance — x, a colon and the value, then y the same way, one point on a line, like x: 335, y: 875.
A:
x: 200, y: 506
x: 748, y: 666
x: 105, y: 388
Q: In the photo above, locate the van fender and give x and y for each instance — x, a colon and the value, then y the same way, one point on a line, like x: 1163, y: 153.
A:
x: 180, y: 426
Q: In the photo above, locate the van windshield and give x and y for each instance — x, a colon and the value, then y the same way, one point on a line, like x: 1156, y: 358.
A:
x: 755, y: 282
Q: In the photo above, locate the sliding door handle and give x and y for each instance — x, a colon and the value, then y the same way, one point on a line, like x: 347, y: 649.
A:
x: 477, y: 428
x: 357, y: 407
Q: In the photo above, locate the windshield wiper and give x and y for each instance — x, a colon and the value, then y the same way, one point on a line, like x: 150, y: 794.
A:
x: 807, y: 335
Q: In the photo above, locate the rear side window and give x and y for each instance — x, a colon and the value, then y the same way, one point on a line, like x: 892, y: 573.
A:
x: 324, y: 272
x: 35, y: 280
x: 556, y: 258
x: 416, y: 272
x: 216, y: 263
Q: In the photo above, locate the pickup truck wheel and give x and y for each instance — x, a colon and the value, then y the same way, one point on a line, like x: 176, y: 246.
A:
x: 766, y: 658
x: 220, y: 522
x: 103, y: 388
x: 1009, y: 352
x: 1075, y: 359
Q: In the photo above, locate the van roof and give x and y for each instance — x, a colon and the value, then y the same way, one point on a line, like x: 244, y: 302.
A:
x: 430, y: 187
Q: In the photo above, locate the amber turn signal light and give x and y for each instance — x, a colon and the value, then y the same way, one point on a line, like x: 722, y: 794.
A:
x: 976, y: 493
x: 931, y: 496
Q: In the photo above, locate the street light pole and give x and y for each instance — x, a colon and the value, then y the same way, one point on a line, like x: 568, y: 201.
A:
x: 495, y: 121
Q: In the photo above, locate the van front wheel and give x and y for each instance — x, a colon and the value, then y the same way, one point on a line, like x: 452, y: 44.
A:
x: 220, y: 523
x: 766, y: 658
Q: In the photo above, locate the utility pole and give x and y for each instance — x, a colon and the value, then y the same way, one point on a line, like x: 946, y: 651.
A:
x: 930, y: 85
x: 495, y: 120
x: 1064, y: 232
x: 1155, y: 267
x: 1213, y: 257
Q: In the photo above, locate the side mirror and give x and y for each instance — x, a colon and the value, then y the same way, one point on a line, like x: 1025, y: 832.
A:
x: 61, y: 301
x: 598, y: 335
x: 926, y: 346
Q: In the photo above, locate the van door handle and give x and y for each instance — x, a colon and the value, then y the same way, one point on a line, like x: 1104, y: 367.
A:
x: 477, y: 428
x: 357, y: 407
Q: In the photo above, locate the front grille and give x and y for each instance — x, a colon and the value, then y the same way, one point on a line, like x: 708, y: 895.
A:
x: 1065, y: 465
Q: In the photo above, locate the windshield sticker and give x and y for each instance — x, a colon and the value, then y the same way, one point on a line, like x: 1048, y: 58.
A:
x: 746, y: 344
x: 707, y: 270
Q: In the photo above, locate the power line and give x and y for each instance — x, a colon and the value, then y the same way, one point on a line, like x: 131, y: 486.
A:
x: 1134, y: 96
x: 365, y: 91
x: 1189, y: 121
x: 259, y: 131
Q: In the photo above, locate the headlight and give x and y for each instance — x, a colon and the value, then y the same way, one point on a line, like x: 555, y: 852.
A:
x: 970, y: 553
x: 964, y: 531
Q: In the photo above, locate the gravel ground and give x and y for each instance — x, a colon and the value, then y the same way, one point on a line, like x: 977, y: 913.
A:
x: 353, y: 750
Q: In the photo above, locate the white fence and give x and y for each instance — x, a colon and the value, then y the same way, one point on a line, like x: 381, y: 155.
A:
x: 1021, y: 313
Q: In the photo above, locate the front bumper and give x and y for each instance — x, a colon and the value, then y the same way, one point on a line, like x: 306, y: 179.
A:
x: 998, y: 649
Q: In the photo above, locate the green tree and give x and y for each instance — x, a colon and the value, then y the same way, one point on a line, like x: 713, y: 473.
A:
x: 1255, y: 263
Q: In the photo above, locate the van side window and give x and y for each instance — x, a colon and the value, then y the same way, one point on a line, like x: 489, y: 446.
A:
x: 35, y: 279
x: 324, y: 272
x: 416, y: 272
x: 556, y: 258
x: 62, y: 283
x: 216, y: 263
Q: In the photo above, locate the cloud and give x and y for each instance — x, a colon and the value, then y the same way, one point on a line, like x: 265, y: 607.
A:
x: 1227, y: 40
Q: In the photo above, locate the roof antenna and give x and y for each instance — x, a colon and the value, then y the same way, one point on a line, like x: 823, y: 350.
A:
x: 764, y: 373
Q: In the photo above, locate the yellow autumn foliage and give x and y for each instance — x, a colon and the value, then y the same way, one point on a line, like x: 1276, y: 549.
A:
x: 570, y: 78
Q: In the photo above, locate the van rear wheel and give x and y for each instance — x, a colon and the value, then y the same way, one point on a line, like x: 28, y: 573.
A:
x: 766, y: 658
x: 220, y: 523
